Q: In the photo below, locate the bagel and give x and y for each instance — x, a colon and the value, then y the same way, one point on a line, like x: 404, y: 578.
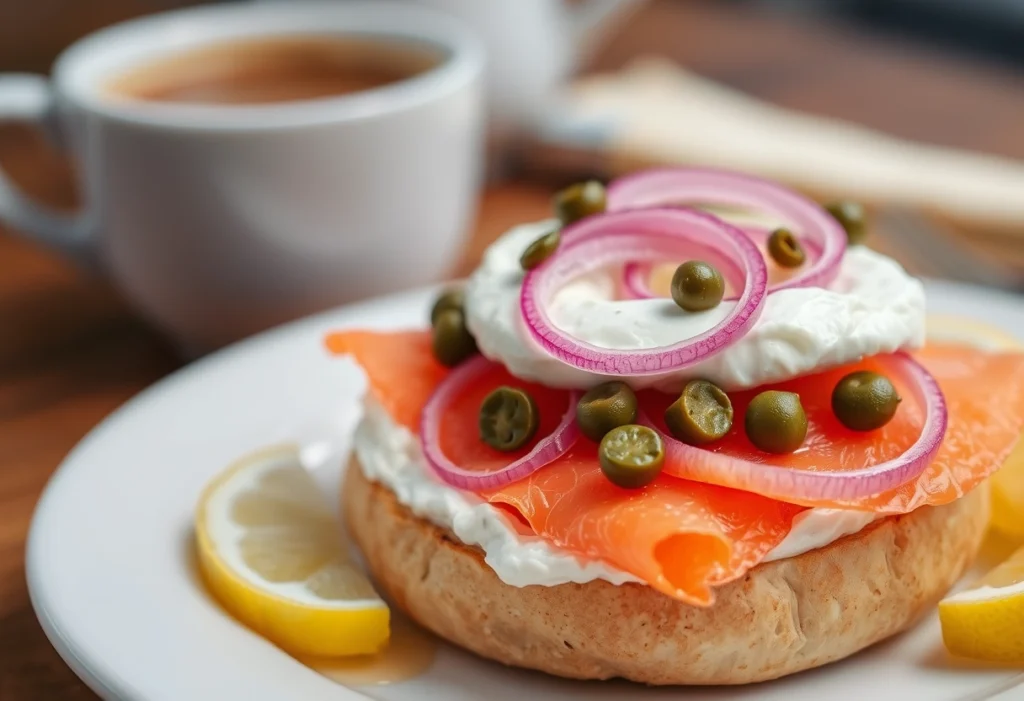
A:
x: 780, y: 618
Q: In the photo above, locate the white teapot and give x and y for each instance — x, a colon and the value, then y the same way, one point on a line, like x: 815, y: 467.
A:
x: 532, y: 46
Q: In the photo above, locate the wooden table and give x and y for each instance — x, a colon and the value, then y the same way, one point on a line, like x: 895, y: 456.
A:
x: 71, y: 351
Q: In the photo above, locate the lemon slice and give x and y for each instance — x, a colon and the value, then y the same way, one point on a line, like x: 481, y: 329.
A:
x: 1008, y: 496
x: 273, y: 554
x: 987, y: 621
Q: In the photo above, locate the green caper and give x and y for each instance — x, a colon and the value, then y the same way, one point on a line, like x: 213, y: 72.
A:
x: 508, y: 418
x: 697, y: 286
x: 865, y: 400
x: 703, y: 413
x: 776, y: 422
x: 631, y: 455
x: 452, y: 342
x: 851, y: 216
x: 539, y: 251
x: 785, y: 249
x: 605, y: 407
x: 580, y: 201
x: 450, y: 299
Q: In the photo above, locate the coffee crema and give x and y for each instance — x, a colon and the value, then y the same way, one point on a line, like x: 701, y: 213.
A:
x: 274, y: 69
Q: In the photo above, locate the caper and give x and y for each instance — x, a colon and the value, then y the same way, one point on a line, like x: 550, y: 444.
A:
x: 776, y: 422
x: 540, y: 250
x: 605, y: 407
x: 865, y: 400
x: 452, y: 342
x: 697, y: 286
x: 851, y: 216
x: 453, y: 298
x: 785, y: 249
x: 631, y: 455
x: 508, y: 418
x: 580, y: 201
x: 703, y: 413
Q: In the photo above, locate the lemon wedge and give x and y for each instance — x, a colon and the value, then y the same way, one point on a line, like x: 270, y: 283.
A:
x: 986, y: 622
x: 273, y: 554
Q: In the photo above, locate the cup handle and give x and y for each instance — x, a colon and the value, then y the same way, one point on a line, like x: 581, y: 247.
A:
x: 28, y: 98
x: 587, y: 18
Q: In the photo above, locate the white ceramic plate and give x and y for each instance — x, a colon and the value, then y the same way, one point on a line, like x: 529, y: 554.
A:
x: 110, y: 572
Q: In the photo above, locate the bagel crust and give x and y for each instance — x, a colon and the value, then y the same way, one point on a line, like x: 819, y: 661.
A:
x: 781, y: 617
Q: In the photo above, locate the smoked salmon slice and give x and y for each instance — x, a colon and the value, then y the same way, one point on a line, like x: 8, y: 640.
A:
x: 985, y: 403
x: 681, y: 536
x: 985, y: 399
x: 399, y: 366
x: 677, y: 535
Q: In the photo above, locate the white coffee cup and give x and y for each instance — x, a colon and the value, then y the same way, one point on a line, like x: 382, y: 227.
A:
x: 218, y: 221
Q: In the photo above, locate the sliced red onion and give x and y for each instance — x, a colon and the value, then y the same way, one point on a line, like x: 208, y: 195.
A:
x: 664, y: 187
x: 547, y: 450
x: 812, y: 488
x: 647, y: 235
x: 636, y: 277
x: 636, y: 280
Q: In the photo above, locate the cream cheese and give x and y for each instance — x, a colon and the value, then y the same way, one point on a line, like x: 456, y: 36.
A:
x: 872, y: 307
x: 390, y: 454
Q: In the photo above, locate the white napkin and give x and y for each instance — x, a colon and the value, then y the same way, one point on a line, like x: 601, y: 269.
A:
x: 654, y: 112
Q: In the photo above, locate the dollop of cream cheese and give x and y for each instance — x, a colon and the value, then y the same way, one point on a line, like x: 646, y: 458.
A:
x: 873, y: 306
x: 390, y: 454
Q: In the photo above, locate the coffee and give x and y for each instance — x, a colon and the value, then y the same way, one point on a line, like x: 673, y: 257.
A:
x: 275, y: 69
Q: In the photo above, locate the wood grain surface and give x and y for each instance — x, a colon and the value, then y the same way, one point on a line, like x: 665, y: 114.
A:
x: 71, y: 350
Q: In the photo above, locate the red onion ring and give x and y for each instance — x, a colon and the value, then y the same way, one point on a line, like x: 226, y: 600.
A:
x: 661, y: 187
x: 636, y: 277
x: 636, y: 280
x: 547, y: 450
x: 812, y: 488
x: 642, y: 235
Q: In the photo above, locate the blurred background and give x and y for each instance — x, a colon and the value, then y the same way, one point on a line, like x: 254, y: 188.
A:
x: 938, y: 72
x: 31, y: 34
x: 990, y: 28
